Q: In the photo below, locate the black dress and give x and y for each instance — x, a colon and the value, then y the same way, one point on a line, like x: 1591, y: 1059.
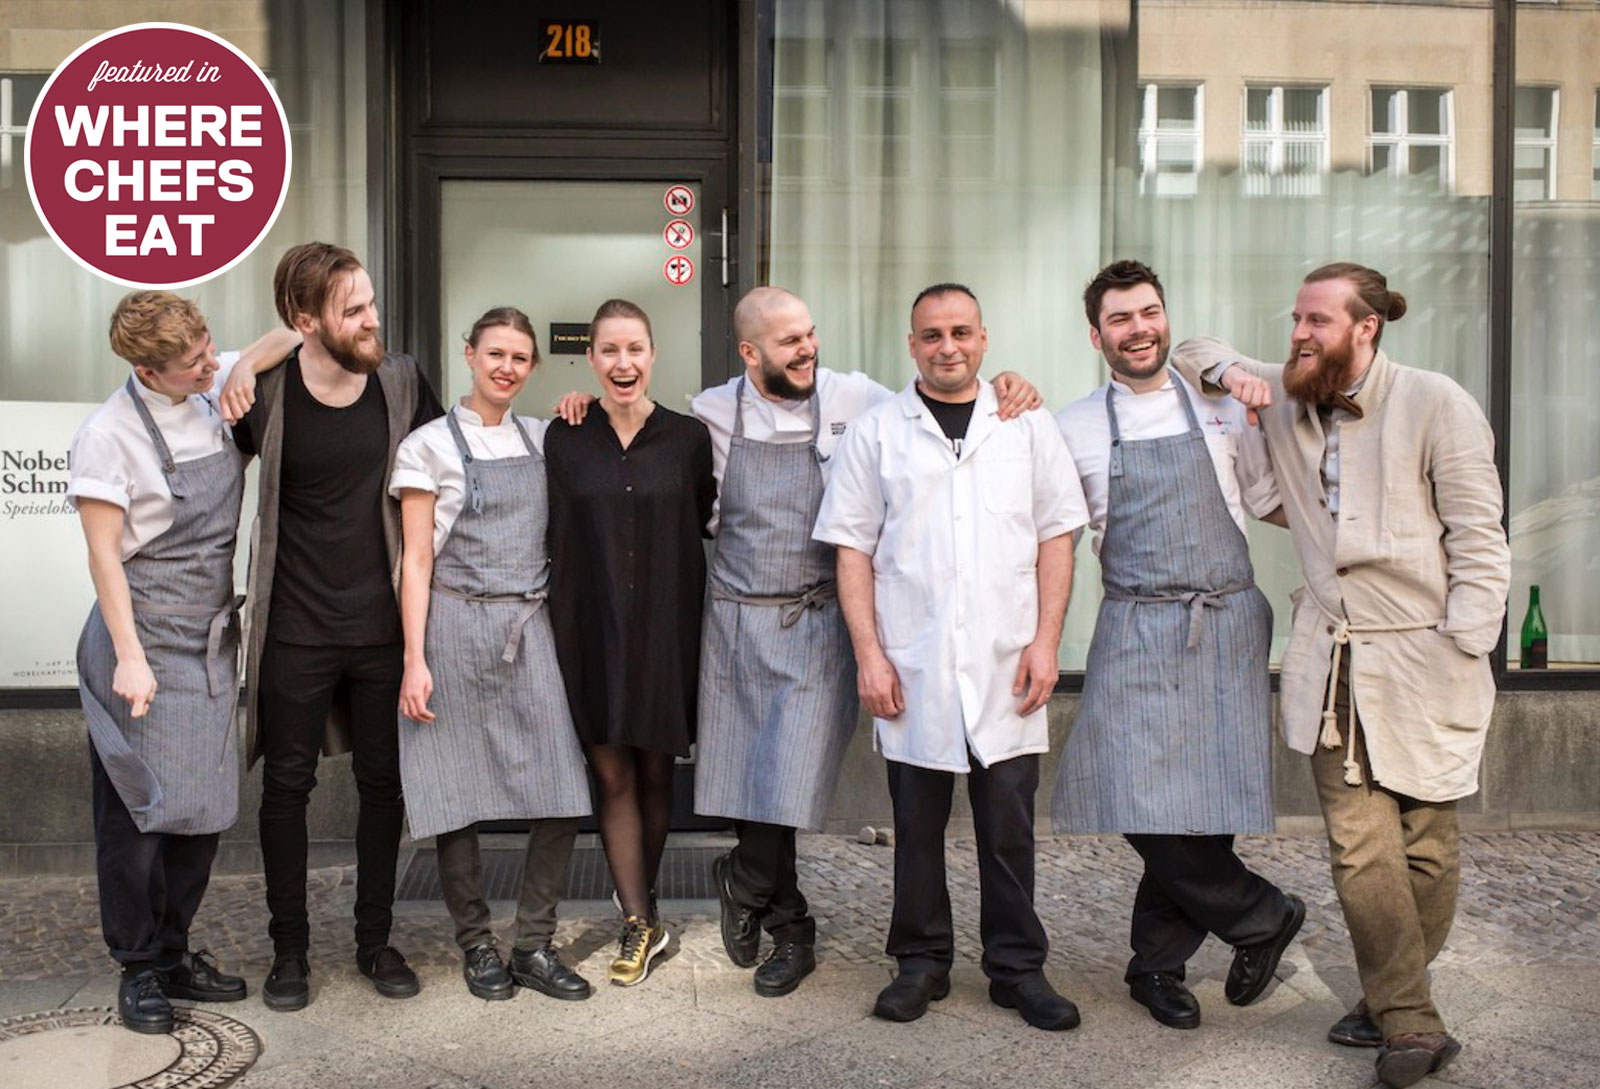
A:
x: 628, y: 575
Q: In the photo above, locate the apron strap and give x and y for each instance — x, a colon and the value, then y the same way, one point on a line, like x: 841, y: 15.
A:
x: 530, y: 600
x: 526, y: 441
x: 1196, y: 601
x: 816, y: 417
x: 468, y: 465
x: 1115, y: 466
x: 794, y: 605
x: 168, y: 466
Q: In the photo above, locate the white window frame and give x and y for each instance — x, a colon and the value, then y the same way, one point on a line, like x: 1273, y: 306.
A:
x: 1402, y: 139
x: 1152, y: 136
x: 820, y: 163
x: 13, y: 132
x: 1277, y: 140
x: 1546, y: 142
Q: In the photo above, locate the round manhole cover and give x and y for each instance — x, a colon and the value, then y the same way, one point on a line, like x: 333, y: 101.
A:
x: 89, y: 1048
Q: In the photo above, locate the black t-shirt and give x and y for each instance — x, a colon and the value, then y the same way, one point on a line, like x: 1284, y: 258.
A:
x: 330, y: 584
x: 952, y: 418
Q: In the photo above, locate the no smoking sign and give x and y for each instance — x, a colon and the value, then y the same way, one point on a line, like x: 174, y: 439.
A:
x: 679, y: 234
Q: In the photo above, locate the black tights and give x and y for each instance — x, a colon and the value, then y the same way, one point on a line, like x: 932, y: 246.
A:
x: 634, y: 809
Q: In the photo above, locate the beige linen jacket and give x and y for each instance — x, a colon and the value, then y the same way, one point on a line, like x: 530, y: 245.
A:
x: 1418, y: 540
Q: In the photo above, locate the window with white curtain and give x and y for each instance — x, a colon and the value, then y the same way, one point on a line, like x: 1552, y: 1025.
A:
x: 1285, y: 150
x: 1535, y: 133
x: 800, y: 107
x: 18, y: 90
x: 1411, y: 135
x: 1171, y: 139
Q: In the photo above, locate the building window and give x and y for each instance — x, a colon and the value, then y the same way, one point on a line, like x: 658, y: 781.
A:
x: 800, y: 106
x: 17, y: 95
x: 1411, y: 135
x: 1535, y: 130
x: 885, y: 85
x: 1170, y: 140
x: 1285, y: 141
x: 969, y: 105
x: 1595, y: 191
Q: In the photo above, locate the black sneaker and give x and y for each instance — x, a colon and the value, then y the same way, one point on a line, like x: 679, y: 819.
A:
x: 140, y: 1001
x: 741, y: 935
x: 387, y: 969
x: 544, y: 971
x: 288, y: 985
x: 486, y: 974
x: 784, y: 968
x: 197, y: 979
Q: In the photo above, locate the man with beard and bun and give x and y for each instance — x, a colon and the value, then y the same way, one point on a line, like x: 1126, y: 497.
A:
x: 1172, y: 746
x: 325, y: 651
x: 1388, y: 482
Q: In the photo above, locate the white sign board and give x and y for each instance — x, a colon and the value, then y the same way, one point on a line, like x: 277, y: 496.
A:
x: 44, y: 568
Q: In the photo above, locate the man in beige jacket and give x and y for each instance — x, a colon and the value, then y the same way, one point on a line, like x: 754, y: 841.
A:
x: 1391, y: 494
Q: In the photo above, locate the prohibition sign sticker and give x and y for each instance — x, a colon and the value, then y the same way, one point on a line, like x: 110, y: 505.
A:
x: 678, y: 270
x: 679, y: 234
x: 679, y: 200
x: 158, y: 155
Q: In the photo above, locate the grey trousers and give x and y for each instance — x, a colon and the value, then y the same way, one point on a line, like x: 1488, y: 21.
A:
x: 544, y: 878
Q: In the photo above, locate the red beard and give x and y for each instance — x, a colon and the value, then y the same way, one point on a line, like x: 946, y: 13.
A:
x: 358, y: 355
x: 1322, y: 383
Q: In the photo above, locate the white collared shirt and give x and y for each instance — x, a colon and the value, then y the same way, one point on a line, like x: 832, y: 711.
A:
x: 954, y: 543
x: 428, y: 460
x: 113, y: 459
x: 843, y: 398
x: 1238, y: 451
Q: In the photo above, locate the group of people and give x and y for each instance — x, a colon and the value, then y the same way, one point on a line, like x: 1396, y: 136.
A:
x: 533, y: 597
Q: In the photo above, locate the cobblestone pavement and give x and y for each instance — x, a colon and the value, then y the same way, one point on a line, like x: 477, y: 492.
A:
x: 1532, y: 898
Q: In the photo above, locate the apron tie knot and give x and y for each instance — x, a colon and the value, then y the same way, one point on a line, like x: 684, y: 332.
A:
x: 814, y: 598
x: 1197, y: 602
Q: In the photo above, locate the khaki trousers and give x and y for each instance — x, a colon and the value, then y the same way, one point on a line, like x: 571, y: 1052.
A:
x: 1396, y: 868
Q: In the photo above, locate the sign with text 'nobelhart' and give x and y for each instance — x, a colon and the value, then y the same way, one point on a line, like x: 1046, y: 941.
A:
x: 158, y: 155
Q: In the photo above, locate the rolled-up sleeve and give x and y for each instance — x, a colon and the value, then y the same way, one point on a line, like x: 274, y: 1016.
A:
x: 853, y: 505
x: 99, y: 470
x: 414, y: 466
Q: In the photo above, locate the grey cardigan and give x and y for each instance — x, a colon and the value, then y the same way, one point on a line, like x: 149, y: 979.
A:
x: 399, y: 378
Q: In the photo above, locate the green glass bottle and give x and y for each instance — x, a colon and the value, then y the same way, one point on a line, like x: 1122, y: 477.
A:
x: 1535, y: 636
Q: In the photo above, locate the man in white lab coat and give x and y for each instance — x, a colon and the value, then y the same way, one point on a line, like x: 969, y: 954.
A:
x: 954, y: 545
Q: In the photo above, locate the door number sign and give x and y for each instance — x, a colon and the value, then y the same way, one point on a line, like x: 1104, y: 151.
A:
x: 679, y: 234
x: 678, y: 270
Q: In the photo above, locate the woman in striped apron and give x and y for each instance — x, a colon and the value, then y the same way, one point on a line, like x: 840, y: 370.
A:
x: 157, y: 660
x: 485, y: 733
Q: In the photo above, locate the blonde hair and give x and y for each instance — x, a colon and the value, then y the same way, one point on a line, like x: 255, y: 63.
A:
x: 154, y: 328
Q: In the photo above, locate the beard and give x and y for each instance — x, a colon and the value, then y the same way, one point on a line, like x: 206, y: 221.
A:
x: 1122, y: 367
x: 359, y: 354
x: 777, y: 383
x: 1320, y: 384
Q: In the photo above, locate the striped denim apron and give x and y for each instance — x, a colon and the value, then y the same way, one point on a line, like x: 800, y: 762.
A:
x: 1174, y: 734
x: 177, y: 768
x: 501, y: 746
x: 777, y: 677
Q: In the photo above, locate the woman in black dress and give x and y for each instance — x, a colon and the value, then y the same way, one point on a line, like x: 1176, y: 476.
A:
x: 631, y: 491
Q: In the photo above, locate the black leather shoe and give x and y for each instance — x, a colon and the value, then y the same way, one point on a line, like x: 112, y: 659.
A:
x: 1167, y: 999
x: 543, y: 970
x: 1409, y: 1057
x: 784, y: 968
x: 741, y: 935
x: 1254, y: 965
x: 1356, y: 1029
x: 907, y: 998
x: 390, y: 974
x: 288, y: 985
x: 144, y: 1008
x: 1037, y: 1002
x: 197, y: 979
x: 486, y: 974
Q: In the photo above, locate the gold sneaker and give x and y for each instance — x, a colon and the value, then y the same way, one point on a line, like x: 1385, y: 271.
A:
x: 641, y: 941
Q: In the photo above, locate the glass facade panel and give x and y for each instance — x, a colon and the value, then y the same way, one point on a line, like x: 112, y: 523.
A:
x: 1093, y: 123
x: 1554, y: 440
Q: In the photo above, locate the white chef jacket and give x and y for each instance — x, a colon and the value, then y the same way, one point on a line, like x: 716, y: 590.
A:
x: 954, y: 545
x: 428, y: 460
x: 114, y: 460
x: 843, y: 397
x: 1238, y: 451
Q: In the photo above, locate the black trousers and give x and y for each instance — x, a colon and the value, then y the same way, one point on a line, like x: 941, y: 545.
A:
x: 921, y: 934
x: 296, y: 689
x: 544, y: 879
x: 764, y: 880
x: 1192, y: 886
x: 151, y: 883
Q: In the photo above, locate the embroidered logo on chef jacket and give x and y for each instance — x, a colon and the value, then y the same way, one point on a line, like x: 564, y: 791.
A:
x: 1218, y: 424
x: 837, y: 427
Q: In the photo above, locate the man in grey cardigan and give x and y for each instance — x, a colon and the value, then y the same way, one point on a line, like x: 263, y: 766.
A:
x: 1388, y: 481
x: 324, y: 647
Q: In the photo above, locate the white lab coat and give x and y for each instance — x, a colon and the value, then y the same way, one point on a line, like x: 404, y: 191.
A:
x: 954, y: 545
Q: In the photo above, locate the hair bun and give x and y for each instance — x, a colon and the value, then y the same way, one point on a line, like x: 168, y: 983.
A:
x: 1397, y: 306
